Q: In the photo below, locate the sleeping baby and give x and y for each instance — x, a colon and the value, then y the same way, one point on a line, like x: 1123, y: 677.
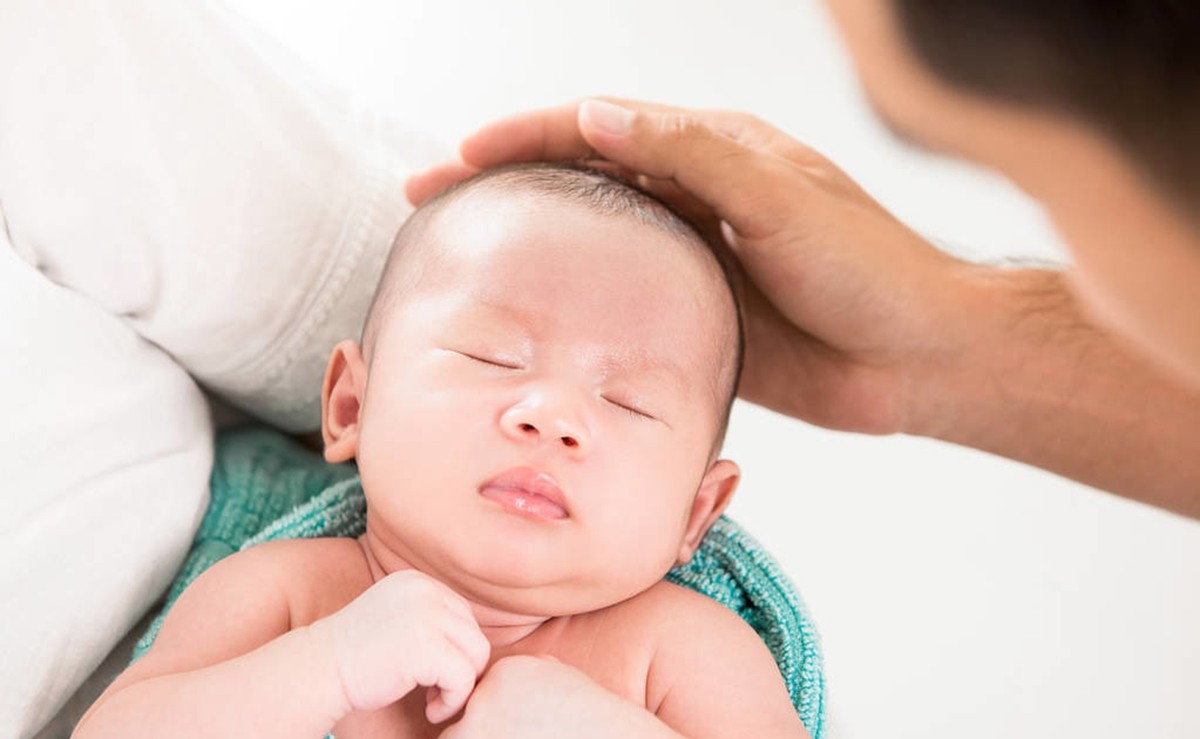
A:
x: 536, y: 409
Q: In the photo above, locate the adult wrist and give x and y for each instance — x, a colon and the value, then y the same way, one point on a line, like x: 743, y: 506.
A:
x: 995, y: 323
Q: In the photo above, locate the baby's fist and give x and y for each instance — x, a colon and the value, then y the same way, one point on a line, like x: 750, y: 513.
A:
x: 538, y: 697
x: 406, y: 630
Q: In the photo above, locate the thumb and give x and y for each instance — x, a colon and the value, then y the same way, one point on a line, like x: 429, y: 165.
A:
x: 749, y: 188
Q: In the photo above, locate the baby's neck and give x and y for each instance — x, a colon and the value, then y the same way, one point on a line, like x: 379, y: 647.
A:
x: 502, y: 628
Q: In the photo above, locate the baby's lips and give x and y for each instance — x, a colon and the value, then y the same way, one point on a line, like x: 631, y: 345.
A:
x: 529, y: 490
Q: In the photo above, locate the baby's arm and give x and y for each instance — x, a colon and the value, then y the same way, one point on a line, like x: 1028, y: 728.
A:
x: 228, y: 662
x: 712, y: 676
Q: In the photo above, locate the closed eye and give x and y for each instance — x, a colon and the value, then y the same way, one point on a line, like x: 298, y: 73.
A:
x: 635, y: 412
x: 487, y: 360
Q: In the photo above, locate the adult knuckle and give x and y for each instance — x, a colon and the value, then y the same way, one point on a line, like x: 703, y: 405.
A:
x: 681, y: 126
x: 749, y: 120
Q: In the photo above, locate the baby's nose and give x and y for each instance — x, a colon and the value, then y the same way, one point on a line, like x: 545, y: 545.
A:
x: 539, y: 419
x: 568, y: 440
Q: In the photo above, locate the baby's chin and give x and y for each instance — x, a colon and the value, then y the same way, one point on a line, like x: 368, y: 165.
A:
x: 499, y: 568
x: 530, y: 593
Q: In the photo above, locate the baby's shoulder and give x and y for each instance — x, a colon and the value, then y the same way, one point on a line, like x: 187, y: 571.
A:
x: 669, y: 613
x: 697, y: 643
x: 315, y: 576
x: 327, y: 553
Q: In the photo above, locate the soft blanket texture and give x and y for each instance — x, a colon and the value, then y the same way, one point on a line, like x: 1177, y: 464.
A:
x: 265, y: 486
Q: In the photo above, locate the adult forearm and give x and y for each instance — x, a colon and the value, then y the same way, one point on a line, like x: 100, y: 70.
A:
x: 1038, y: 382
x: 289, y: 687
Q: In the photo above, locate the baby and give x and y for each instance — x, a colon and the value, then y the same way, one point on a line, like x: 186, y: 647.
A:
x: 536, y: 408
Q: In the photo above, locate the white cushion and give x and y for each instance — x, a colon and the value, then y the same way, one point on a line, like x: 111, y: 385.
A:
x: 107, y: 448
x: 181, y: 194
x: 188, y: 173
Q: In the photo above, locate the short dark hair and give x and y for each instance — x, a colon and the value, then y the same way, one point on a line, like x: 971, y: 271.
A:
x: 1128, y: 68
x: 594, y: 189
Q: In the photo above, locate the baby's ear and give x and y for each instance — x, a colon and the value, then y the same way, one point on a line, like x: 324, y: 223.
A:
x: 341, y: 401
x: 716, y: 490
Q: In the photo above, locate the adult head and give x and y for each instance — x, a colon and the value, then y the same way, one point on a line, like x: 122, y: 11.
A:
x: 1091, y: 107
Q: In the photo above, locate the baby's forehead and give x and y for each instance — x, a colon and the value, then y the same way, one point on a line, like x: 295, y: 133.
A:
x: 502, y: 237
x: 449, y: 244
x: 616, y: 264
x: 495, y: 212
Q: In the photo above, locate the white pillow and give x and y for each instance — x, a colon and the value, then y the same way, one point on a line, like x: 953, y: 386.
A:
x: 189, y: 174
x: 107, y: 448
x: 204, y: 204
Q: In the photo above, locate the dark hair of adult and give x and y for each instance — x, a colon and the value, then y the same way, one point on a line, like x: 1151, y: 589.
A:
x: 1128, y: 68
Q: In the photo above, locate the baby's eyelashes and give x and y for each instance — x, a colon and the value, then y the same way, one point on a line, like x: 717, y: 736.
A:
x: 494, y: 361
x: 631, y: 409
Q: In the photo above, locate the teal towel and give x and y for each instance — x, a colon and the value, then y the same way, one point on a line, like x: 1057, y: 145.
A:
x: 266, y: 486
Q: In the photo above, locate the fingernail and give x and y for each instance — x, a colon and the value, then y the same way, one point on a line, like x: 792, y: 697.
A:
x: 606, y: 117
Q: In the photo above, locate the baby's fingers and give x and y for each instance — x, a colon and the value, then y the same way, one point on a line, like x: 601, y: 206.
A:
x: 465, y: 635
x: 449, y: 690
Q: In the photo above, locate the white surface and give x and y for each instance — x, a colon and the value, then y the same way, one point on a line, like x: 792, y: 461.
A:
x: 157, y: 163
x: 958, y: 594
x: 103, y: 477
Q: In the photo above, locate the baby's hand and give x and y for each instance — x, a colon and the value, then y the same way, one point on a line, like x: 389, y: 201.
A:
x: 406, y: 630
x: 538, y: 697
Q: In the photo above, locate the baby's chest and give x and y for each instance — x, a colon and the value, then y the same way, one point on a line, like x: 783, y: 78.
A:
x: 404, y: 719
x: 619, y: 666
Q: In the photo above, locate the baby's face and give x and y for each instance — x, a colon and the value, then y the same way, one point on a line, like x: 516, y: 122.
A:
x: 540, y: 409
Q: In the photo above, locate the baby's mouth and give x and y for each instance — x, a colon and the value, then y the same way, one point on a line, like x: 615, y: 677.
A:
x: 527, y: 492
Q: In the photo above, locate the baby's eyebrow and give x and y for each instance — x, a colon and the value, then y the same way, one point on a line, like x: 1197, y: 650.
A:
x: 655, y: 368
x: 493, y: 313
x: 503, y: 308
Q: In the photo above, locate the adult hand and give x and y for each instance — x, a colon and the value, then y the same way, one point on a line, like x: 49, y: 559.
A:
x: 527, y: 697
x: 849, y: 314
x: 854, y: 322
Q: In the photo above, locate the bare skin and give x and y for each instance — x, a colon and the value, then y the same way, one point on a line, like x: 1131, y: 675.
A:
x: 286, y: 685
x: 534, y: 459
x: 856, y: 323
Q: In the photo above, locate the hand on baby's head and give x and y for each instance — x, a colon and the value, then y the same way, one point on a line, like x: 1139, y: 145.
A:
x: 544, y: 380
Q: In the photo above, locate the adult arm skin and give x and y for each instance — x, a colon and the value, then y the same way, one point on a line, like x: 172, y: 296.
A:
x: 854, y: 322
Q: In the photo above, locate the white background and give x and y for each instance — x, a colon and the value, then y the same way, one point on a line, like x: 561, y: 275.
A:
x: 957, y: 594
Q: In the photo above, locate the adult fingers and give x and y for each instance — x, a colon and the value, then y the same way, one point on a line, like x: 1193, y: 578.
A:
x: 751, y: 189
x: 547, y: 134
x: 537, y: 135
x: 553, y: 134
x: 424, y: 185
x: 569, y: 132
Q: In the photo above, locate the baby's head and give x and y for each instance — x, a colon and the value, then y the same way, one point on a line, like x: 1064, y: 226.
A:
x: 542, y: 388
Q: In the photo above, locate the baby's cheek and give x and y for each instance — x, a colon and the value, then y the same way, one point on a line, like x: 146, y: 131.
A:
x: 649, y: 520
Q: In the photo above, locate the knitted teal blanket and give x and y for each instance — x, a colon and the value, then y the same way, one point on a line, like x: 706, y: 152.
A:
x: 265, y: 486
